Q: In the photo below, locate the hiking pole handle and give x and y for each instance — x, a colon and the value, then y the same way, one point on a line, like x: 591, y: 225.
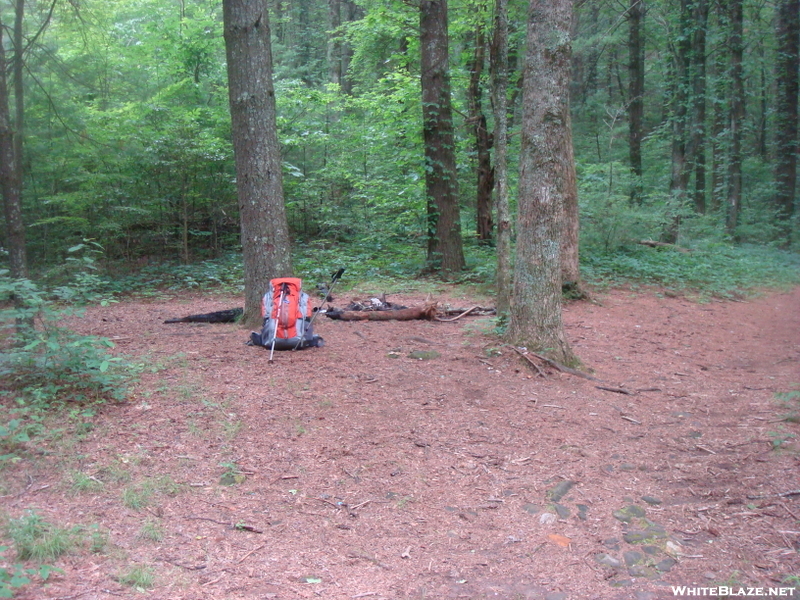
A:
x: 334, y: 280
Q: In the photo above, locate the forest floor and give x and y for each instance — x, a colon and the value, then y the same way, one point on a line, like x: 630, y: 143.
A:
x: 357, y: 471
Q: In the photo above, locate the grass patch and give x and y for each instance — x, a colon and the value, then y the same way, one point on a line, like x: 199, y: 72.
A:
x: 138, y: 496
x: 140, y: 577
x: 152, y: 531
x: 83, y: 483
x: 36, y: 539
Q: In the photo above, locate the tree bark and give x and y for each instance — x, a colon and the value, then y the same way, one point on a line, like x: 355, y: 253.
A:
x: 570, y: 263
x: 536, y: 302
x: 10, y: 180
x: 499, y: 62
x: 679, y: 179
x: 445, y: 249
x: 264, y: 230
x: 636, y: 96
x: 483, y: 142
x: 788, y: 79
x: 719, y: 118
x: 737, y: 115
x: 696, y: 150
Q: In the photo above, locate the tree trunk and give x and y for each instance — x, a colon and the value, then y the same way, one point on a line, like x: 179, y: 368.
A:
x: 679, y: 180
x: 334, y: 42
x: 788, y: 78
x: 264, y: 230
x: 737, y: 115
x: 445, y: 250
x: 483, y: 142
x: 719, y: 119
x: 499, y: 61
x: 636, y: 96
x: 536, y: 302
x: 10, y: 180
x: 570, y: 264
x: 696, y: 150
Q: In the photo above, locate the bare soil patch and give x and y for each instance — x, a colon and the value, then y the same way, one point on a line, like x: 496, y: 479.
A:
x: 356, y: 471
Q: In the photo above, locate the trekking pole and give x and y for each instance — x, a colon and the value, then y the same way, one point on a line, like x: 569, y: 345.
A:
x: 334, y: 279
x: 277, y: 319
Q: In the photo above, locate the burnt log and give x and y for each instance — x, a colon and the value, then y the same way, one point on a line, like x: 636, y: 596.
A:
x: 220, y: 316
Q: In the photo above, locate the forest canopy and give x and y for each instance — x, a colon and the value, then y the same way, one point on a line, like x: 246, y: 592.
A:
x: 684, y: 119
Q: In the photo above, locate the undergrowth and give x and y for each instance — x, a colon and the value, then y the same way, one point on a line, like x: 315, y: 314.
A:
x: 709, y: 269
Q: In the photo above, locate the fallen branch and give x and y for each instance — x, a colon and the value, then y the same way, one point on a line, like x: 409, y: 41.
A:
x: 614, y: 389
x: 654, y: 244
x: 463, y: 313
x: 221, y: 316
x: 427, y: 312
x: 563, y: 368
x: 526, y: 357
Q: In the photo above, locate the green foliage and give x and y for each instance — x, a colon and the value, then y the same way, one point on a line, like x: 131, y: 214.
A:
x: 140, y: 577
x: 791, y: 402
x: 47, y: 363
x: 36, y: 539
x: 720, y: 270
x: 13, y: 577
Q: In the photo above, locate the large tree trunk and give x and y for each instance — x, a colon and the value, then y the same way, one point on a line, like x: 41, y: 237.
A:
x: 737, y: 115
x: 719, y: 118
x: 570, y: 264
x: 636, y: 96
x: 499, y: 61
x: 483, y: 142
x: 10, y: 180
x: 679, y: 179
x: 788, y: 78
x: 696, y: 149
x: 265, y: 233
x: 445, y: 250
x: 536, y: 303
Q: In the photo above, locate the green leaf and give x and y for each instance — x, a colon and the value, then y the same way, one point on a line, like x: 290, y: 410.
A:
x: 45, y: 570
x: 104, y: 366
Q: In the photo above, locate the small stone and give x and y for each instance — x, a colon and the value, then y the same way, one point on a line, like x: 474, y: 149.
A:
x: 627, y: 467
x: 709, y: 575
x: 423, y: 354
x: 231, y: 478
x: 635, y: 537
x: 547, y: 519
x: 611, y: 543
x: 632, y: 557
x: 583, y: 512
x: 531, y: 509
x: 608, y: 560
x: 672, y: 548
x: 665, y: 565
x: 651, y: 550
x: 555, y: 596
x: 629, y: 513
x: 652, y: 501
x: 644, y: 596
x: 622, y: 583
x: 562, y: 511
x: 640, y: 571
x: 560, y: 490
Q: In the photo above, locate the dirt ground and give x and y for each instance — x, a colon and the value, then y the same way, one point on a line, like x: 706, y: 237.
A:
x: 358, y: 471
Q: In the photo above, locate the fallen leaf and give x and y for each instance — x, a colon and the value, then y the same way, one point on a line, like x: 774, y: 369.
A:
x: 561, y: 540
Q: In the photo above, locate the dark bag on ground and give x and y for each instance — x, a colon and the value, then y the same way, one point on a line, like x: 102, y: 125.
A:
x: 286, y: 309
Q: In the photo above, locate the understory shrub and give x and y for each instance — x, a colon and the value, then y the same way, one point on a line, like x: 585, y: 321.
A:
x: 43, y: 362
